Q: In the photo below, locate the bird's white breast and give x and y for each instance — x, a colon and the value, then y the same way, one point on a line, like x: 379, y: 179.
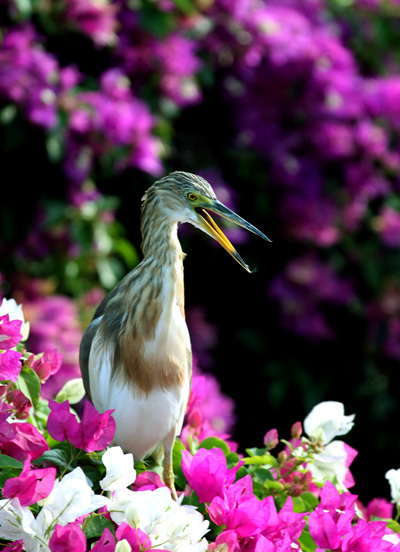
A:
x: 144, y: 420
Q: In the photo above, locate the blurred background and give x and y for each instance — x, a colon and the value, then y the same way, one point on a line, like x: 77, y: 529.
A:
x: 291, y: 110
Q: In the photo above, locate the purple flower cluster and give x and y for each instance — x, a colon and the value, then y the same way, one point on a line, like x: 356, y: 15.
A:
x: 30, y: 77
x: 107, y: 122
x: 327, y: 130
x: 169, y: 60
x: 305, y: 285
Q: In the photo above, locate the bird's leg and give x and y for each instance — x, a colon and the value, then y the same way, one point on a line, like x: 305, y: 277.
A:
x: 168, y: 471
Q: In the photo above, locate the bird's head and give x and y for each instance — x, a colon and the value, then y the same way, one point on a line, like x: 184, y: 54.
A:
x: 191, y: 199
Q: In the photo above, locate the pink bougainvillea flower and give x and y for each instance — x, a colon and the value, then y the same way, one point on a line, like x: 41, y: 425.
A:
x: 332, y: 518
x: 31, y: 485
x: 94, y: 432
x: 350, y: 455
x: 62, y: 424
x: 10, y: 365
x: 137, y: 540
x: 97, y: 429
x: 147, y: 481
x: 67, y: 538
x: 207, y: 472
x: 20, y: 403
x: 227, y: 541
x: 333, y: 502
x: 289, y: 523
x: 17, y: 546
x: 241, y: 511
x: 323, y: 530
x: 10, y: 332
x: 48, y: 364
x: 26, y: 442
x: 271, y: 439
x: 378, y: 508
x: 106, y: 543
x: 7, y: 432
x: 367, y: 536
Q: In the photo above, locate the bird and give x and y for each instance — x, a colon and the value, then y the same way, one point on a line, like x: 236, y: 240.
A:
x: 135, y: 355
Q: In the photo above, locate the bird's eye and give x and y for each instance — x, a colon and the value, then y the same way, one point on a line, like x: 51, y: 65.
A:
x: 192, y: 197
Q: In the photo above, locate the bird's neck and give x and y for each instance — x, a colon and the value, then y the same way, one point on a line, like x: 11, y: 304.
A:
x: 162, y: 252
x: 161, y: 243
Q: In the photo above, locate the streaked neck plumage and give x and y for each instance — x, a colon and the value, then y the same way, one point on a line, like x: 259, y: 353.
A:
x: 162, y: 251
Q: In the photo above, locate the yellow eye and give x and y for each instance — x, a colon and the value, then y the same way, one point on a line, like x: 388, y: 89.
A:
x: 192, y: 197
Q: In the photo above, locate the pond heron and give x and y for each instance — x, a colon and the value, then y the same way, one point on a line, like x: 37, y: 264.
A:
x: 135, y: 356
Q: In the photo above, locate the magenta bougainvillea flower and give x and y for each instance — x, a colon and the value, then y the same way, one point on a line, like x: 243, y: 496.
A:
x: 106, y: 543
x: 25, y: 441
x: 31, y: 485
x: 271, y: 439
x: 10, y: 332
x: 68, y: 537
x: 207, y: 472
x: 10, y: 336
x: 48, y: 364
x: 10, y: 365
x: 94, y: 432
x: 378, y: 508
x: 137, y: 539
x: 332, y: 518
x: 21, y: 404
x: 147, y: 481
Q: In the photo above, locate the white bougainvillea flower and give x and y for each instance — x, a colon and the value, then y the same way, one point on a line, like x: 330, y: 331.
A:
x: 120, y: 471
x: 16, y: 521
x: 70, y: 498
x: 327, y: 420
x: 140, y: 509
x: 183, y: 528
x: 330, y: 464
x: 14, y: 311
x: 393, y: 476
x: 167, y: 523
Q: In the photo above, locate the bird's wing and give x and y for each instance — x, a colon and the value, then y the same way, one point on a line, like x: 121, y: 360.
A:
x: 88, y: 337
x: 84, y: 353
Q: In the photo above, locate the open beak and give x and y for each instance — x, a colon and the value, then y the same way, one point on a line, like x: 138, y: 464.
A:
x: 211, y: 228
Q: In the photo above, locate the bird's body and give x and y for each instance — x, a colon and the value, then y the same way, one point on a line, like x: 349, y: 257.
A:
x: 135, y: 355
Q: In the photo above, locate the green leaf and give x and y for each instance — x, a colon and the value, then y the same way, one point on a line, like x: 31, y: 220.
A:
x: 215, y: 442
x: 8, y: 473
x: 256, y: 451
x: 265, y: 459
x: 242, y: 472
x: 273, y: 485
x: 186, y: 6
x: 73, y: 391
x: 93, y: 474
x: 307, y: 543
x: 96, y: 525
x: 57, y: 456
x: 298, y: 504
x: 394, y: 525
x: 263, y: 475
x: 232, y: 459
x: 310, y: 501
x: 8, y: 462
x: 28, y: 383
x: 156, y: 22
